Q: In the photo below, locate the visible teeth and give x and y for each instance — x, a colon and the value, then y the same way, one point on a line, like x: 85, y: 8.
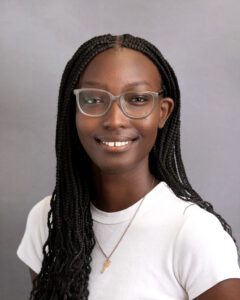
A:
x: 115, y: 144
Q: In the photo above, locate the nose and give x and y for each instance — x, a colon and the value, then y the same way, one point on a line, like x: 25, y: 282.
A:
x: 115, y: 117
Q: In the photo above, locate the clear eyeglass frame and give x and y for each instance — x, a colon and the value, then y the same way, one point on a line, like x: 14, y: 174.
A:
x: 112, y: 98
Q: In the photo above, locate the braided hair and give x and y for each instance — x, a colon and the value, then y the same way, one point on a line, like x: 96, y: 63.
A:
x: 67, y: 252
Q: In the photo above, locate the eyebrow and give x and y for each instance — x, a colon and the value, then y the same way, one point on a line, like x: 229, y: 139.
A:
x: 129, y: 85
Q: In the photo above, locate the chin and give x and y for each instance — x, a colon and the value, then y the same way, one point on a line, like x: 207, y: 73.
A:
x: 114, y: 169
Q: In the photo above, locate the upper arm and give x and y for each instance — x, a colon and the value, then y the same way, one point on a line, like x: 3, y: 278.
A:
x: 226, y: 290
x: 206, y: 259
x: 30, y: 250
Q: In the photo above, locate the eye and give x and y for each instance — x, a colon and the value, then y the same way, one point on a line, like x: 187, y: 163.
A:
x: 137, y: 99
x: 92, y: 100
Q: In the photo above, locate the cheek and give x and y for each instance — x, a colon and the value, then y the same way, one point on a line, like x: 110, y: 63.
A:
x: 149, y: 131
x: 151, y: 137
x: 151, y: 125
x: 86, y: 130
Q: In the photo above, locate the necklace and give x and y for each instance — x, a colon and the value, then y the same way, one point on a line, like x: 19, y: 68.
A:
x: 107, y: 261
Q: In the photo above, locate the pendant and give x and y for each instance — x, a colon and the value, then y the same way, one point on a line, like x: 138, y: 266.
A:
x: 106, y: 264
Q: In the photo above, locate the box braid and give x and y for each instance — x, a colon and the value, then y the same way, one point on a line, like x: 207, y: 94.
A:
x: 67, y: 252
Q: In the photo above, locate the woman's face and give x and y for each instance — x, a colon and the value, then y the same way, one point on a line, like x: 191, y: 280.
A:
x: 118, y: 71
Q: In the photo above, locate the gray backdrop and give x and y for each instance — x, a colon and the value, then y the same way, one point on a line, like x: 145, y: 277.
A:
x: 201, y: 39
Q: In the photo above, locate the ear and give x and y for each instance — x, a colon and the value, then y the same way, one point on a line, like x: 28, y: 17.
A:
x: 166, y: 108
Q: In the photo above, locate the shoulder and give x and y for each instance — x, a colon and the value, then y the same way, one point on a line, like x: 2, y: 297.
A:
x: 205, y: 254
x: 200, y: 226
x: 173, y: 210
x: 35, y: 235
x: 41, y: 205
x: 202, y: 253
x: 39, y: 213
x: 190, y: 219
x: 37, y: 218
x: 194, y: 216
x: 202, y: 234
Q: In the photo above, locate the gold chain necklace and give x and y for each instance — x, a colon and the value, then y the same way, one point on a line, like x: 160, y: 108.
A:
x: 107, y: 261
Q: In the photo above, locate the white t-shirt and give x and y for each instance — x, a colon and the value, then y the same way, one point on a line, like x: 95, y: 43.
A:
x: 172, y: 250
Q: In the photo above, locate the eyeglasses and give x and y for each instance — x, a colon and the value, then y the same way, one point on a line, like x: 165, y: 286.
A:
x: 94, y: 102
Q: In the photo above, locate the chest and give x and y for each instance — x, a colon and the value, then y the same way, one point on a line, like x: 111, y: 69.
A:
x: 141, y: 265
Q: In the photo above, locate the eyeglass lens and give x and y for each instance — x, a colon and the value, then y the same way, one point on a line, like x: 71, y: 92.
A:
x: 133, y: 104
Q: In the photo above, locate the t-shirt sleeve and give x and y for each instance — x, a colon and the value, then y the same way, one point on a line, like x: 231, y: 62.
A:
x: 205, y: 254
x: 35, y: 235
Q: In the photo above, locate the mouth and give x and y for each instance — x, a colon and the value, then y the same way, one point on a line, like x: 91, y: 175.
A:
x: 115, y: 144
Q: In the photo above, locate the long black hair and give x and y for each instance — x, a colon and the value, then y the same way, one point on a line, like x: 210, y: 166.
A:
x: 67, y: 252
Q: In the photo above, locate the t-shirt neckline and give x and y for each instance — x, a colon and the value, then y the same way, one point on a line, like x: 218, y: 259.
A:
x: 121, y: 216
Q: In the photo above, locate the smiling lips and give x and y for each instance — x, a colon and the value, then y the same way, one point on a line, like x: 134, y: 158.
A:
x: 115, y: 143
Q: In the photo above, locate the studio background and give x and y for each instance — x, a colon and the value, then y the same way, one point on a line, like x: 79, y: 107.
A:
x: 200, y: 39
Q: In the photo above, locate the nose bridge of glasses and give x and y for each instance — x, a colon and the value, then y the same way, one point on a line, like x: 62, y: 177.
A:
x: 117, y: 99
x: 116, y: 104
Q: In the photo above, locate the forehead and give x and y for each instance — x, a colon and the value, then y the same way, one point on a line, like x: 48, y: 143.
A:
x: 119, y: 66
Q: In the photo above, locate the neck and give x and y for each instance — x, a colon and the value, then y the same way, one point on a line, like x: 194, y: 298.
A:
x: 115, y: 192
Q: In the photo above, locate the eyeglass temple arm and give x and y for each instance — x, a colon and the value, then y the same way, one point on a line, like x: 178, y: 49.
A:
x: 163, y: 91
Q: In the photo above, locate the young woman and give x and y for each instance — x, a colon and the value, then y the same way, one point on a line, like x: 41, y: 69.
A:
x: 123, y: 221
